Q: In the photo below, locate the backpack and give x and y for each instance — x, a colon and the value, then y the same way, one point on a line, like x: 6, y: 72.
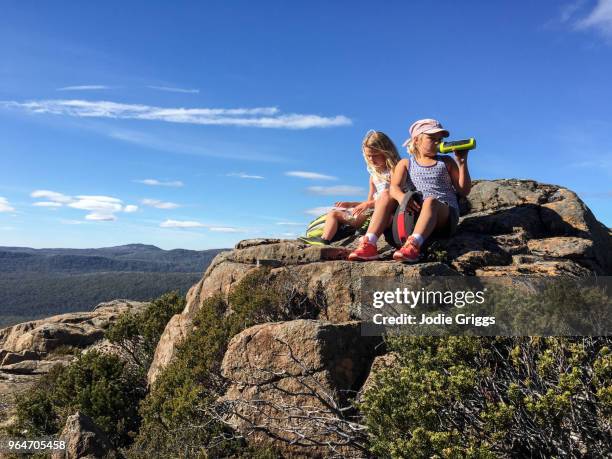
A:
x: 404, y: 220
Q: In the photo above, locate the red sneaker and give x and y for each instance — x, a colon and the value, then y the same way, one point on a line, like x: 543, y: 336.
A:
x: 364, y: 252
x: 410, y: 251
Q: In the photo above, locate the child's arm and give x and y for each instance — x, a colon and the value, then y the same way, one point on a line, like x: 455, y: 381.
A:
x: 459, y: 173
x: 397, y: 180
x: 368, y: 203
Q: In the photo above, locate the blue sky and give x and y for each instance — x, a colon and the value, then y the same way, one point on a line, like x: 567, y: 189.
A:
x: 198, y: 124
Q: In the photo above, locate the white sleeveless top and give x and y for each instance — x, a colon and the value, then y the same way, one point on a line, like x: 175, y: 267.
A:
x: 380, y: 185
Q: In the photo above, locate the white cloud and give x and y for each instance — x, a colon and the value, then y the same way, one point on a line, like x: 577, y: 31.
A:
x: 181, y: 224
x: 196, y: 224
x: 159, y: 204
x: 100, y: 217
x: 244, y: 175
x: 261, y: 117
x: 155, y: 182
x: 5, y: 206
x: 318, y: 211
x: 72, y: 222
x: 47, y: 204
x: 226, y: 229
x: 310, y: 175
x: 100, y: 208
x: 291, y: 235
x: 343, y: 190
x: 600, y: 18
x: 171, y: 89
x: 98, y: 205
x: 289, y: 223
x: 51, y: 196
x: 85, y: 87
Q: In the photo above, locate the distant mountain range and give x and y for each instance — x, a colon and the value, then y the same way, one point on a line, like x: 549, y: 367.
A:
x: 37, y: 283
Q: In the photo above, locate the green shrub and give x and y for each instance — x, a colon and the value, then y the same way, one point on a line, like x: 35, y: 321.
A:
x: 486, y: 397
x: 99, y: 385
x: 96, y: 384
x: 138, y: 333
x: 177, y: 413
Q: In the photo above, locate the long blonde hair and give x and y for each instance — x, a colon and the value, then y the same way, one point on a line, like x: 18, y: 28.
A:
x: 412, y: 147
x: 381, y: 142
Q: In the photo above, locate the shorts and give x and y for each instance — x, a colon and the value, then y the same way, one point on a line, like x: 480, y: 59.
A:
x: 451, y: 225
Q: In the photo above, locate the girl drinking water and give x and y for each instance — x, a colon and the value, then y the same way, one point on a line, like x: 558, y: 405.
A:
x: 381, y: 156
x: 437, y: 177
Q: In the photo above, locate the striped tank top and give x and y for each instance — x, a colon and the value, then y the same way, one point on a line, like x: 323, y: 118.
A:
x: 432, y: 181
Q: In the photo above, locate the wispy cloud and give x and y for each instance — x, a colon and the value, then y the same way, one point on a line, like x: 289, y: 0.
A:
x: 599, y: 19
x: 196, y: 224
x: 85, y: 87
x: 318, y: 211
x: 185, y: 148
x: 173, y: 89
x: 342, y: 190
x: 182, y: 224
x: 289, y: 223
x: 569, y: 10
x: 596, y: 194
x: 100, y: 208
x: 159, y: 204
x: 601, y: 163
x: 226, y: 229
x: 5, y: 206
x: 244, y: 175
x: 155, y: 182
x: 72, y: 222
x: 310, y: 175
x: 260, y: 117
x: 100, y: 217
x: 54, y: 196
x: 47, y: 204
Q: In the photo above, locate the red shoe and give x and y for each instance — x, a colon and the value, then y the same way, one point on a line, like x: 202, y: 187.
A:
x: 410, y: 251
x: 364, y: 252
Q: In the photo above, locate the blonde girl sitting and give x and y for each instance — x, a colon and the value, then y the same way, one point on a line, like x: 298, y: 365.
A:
x: 438, y: 178
x: 381, y: 156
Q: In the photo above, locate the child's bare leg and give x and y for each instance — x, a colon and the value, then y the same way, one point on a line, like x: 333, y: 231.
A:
x: 383, y: 208
x: 335, y: 218
x: 434, y: 214
x: 331, y: 224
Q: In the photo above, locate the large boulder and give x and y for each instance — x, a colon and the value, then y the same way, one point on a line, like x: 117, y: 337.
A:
x: 83, y: 440
x: 507, y: 227
x: 291, y: 381
x: 77, y: 329
x: 29, y: 350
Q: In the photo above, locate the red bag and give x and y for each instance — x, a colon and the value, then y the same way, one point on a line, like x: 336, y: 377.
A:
x: 403, y: 220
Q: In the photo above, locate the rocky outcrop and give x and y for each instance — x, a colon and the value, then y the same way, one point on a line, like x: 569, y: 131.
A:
x: 77, y: 329
x: 507, y: 227
x: 30, y: 349
x: 83, y: 440
x: 292, y: 380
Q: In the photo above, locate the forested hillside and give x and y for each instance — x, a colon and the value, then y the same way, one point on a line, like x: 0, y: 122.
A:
x: 37, y: 283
